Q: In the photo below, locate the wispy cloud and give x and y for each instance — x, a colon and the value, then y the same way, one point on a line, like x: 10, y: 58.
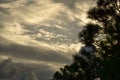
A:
x: 41, y: 30
x: 58, y: 21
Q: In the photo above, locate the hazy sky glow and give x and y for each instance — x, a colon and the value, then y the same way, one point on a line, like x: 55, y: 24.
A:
x: 41, y: 32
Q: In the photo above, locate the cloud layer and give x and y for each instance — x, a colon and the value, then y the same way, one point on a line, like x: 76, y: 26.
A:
x: 43, y: 32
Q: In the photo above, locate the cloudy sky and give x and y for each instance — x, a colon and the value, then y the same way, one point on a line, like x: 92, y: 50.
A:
x: 42, y: 32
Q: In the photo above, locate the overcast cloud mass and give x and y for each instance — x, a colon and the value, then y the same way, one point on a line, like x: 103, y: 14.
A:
x: 41, y: 32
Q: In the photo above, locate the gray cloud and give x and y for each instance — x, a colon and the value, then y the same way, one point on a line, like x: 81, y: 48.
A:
x: 10, y: 70
x: 65, y: 35
x: 34, y: 53
x: 31, y: 3
x: 7, y: 1
x: 71, y: 4
x: 4, y: 10
x: 61, y: 18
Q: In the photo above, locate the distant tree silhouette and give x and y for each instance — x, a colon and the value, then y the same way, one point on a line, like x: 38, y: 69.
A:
x: 101, y: 54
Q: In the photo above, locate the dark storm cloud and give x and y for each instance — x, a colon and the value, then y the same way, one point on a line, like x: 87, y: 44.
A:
x: 34, y: 53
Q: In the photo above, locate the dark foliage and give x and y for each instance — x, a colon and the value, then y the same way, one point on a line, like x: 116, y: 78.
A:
x: 84, y: 64
x: 106, y: 15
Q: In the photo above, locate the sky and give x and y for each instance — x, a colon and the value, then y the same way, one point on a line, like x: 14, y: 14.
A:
x: 42, y: 32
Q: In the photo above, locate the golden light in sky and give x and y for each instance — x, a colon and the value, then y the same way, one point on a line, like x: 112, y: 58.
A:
x: 36, y: 31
